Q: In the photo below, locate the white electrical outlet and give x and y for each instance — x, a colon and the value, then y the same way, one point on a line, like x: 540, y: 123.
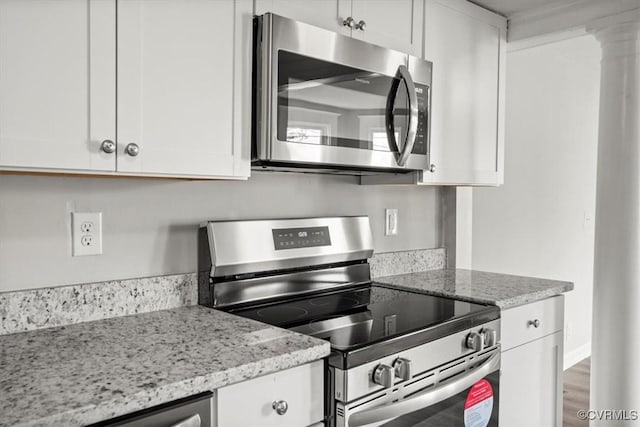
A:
x: 86, y: 233
x: 391, y: 222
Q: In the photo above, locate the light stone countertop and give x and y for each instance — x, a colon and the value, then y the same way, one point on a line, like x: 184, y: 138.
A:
x: 93, y: 371
x: 503, y: 290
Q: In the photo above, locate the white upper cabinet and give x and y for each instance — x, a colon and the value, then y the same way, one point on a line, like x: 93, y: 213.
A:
x: 327, y: 14
x: 395, y: 24
x: 467, y: 46
x: 176, y: 87
x: 183, y: 86
x: 57, y: 84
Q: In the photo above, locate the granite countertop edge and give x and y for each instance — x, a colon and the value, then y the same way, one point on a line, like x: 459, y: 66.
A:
x: 502, y: 290
x: 186, y: 388
x: 303, y: 349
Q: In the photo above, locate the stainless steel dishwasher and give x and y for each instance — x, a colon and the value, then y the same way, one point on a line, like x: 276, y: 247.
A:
x: 193, y: 411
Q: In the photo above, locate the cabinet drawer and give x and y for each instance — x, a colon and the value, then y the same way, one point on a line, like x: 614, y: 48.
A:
x: 250, y: 403
x: 517, y: 323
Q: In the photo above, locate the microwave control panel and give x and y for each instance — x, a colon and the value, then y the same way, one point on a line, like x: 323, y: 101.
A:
x: 307, y: 237
x: 422, y: 93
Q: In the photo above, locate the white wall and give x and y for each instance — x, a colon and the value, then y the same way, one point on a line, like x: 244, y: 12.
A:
x: 541, y: 222
x: 150, y: 225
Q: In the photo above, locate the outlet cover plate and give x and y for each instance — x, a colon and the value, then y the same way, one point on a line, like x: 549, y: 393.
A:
x: 391, y: 222
x: 86, y: 233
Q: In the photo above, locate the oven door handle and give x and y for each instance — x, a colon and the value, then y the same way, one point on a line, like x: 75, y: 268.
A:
x: 403, y: 154
x: 425, y: 399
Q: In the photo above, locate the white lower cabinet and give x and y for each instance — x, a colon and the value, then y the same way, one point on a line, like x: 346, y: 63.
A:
x: 262, y: 401
x: 532, y: 364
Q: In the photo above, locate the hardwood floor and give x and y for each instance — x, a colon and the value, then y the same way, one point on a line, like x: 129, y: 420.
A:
x: 576, y: 393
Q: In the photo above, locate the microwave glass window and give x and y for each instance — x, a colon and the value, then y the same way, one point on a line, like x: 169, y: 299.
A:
x: 330, y: 104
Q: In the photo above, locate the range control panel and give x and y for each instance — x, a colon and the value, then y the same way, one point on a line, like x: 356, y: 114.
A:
x: 307, y: 237
x: 420, y: 145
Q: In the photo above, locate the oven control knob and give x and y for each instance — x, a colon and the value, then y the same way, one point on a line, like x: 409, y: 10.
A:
x: 474, y: 341
x: 383, y: 375
x: 402, y: 368
x: 490, y: 337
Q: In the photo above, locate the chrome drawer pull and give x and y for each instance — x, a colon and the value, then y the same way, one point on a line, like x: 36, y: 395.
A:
x: 280, y: 406
x: 535, y: 323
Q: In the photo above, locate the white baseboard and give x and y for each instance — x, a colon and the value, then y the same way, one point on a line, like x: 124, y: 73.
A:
x: 576, y: 355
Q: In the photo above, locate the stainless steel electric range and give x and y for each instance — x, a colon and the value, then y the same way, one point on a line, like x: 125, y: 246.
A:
x: 398, y: 358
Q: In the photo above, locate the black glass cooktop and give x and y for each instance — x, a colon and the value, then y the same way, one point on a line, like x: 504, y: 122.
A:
x: 370, y: 317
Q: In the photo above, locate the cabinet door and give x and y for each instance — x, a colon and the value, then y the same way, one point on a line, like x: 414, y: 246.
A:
x: 531, y: 383
x: 57, y: 84
x: 176, y: 78
x: 466, y: 45
x: 396, y: 24
x: 328, y: 14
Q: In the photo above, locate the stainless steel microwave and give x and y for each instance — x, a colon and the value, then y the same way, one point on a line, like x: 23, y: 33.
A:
x: 324, y: 101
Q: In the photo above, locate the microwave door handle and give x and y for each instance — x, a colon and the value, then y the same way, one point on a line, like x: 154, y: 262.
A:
x: 423, y: 400
x: 402, y: 154
x: 405, y: 75
x: 388, y: 117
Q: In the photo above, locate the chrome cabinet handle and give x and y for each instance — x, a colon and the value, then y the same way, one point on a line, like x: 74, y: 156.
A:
x: 361, y: 26
x: 535, y: 323
x: 349, y: 22
x: 280, y: 406
x: 192, y: 421
x: 132, y: 149
x: 432, y: 168
x: 108, y: 146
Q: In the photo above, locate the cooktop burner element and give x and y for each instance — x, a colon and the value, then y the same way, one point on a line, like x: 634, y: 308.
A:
x: 353, y: 319
x: 307, y: 309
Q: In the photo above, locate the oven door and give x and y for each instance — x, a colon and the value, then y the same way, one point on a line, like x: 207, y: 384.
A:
x: 463, y: 393
x: 329, y: 100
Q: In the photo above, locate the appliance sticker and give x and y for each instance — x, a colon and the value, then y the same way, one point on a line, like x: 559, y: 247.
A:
x: 479, y: 405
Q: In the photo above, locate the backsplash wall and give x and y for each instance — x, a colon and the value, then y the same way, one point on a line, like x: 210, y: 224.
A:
x: 149, y: 225
x: 58, y: 306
